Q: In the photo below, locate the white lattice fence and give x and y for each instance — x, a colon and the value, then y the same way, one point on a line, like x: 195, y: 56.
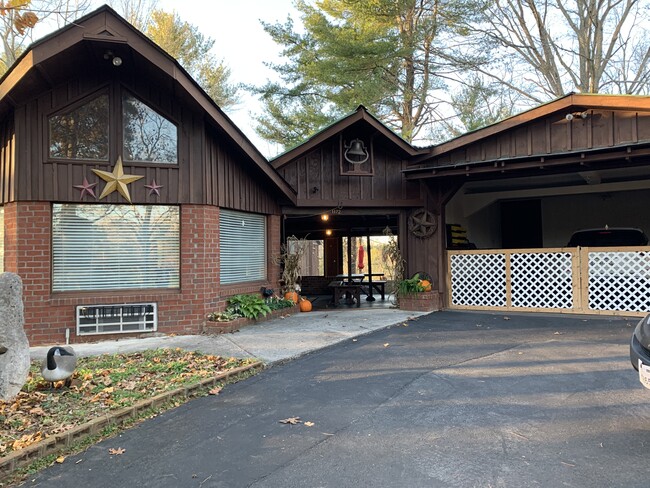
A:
x: 619, y: 281
x: 579, y: 280
x: 478, y: 280
x: 541, y: 280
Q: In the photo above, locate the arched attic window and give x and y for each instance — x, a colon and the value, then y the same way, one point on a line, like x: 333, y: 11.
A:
x: 81, y: 131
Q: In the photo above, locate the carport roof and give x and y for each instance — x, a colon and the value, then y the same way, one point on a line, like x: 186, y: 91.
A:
x: 455, y: 157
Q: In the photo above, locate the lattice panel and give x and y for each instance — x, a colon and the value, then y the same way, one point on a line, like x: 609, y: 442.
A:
x: 541, y: 280
x: 619, y: 281
x: 478, y: 280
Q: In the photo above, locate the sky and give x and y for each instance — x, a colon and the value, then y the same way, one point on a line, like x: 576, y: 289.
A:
x: 242, y: 43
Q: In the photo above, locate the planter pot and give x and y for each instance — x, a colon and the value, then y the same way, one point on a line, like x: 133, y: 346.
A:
x: 426, y: 301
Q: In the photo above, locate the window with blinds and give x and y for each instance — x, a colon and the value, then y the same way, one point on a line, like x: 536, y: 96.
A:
x: 2, y: 239
x: 115, y: 247
x: 242, y: 240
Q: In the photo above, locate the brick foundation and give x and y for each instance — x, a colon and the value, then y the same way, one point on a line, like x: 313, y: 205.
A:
x: 48, y: 315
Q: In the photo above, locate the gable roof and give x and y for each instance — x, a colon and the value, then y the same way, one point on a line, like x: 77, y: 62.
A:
x: 465, y: 155
x: 569, y: 103
x: 360, y: 114
x: 104, y: 25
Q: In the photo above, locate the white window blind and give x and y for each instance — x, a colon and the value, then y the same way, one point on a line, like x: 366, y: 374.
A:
x: 242, y: 243
x: 2, y: 239
x: 111, y: 247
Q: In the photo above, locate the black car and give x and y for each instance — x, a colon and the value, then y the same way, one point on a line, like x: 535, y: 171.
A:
x: 608, y: 237
x: 640, y: 350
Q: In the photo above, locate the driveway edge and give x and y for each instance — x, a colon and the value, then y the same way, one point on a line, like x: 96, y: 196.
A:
x: 53, y: 444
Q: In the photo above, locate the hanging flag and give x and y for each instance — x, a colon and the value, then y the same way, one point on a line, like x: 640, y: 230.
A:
x: 360, y: 259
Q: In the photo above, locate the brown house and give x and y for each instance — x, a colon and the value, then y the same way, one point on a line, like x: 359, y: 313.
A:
x: 130, y: 203
x: 503, y: 202
x: 125, y: 189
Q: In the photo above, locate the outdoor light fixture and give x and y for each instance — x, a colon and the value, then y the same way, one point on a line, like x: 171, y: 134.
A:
x: 356, y: 152
x: 328, y: 232
x: 115, y: 60
x: 324, y: 217
x: 571, y: 116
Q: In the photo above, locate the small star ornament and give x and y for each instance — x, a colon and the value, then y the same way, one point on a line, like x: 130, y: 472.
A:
x: 154, y: 189
x: 116, y: 181
x: 86, y: 189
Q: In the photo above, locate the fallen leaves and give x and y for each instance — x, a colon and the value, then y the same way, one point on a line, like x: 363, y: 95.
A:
x: 291, y: 421
x: 215, y: 391
x: 60, y: 459
x: 100, y: 383
x: 296, y: 421
x: 116, y: 452
x: 387, y: 344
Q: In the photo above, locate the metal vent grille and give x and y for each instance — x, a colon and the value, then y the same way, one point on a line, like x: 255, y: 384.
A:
x: 117, y: 319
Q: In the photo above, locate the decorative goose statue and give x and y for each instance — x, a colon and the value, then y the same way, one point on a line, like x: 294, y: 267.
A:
x: 59, y: 365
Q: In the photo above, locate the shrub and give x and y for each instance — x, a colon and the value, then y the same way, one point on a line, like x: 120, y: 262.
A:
x: 276, y: 303
x: 410, y: 285
x: 249, y: 306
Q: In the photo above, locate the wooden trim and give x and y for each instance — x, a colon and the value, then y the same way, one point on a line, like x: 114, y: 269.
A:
x: 337, y: 128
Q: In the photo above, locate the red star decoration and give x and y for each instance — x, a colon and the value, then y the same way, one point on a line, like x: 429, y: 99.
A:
x: 86, y: 187
x: 153, y: 188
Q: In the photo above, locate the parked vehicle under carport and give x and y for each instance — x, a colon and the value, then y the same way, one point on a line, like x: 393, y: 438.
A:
x: 608, y: 237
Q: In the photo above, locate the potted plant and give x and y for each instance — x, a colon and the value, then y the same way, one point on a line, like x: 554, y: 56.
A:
x: 416, y: 294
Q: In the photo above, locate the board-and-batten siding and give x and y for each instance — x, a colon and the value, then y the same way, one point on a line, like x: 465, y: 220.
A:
x: 317, y: 179
x: 210, y: 170
x: 7, y: 158
x: 555, y: 135
x: 231, y: 185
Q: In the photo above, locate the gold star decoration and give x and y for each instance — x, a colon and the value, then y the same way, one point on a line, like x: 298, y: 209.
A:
x: 116, y: 180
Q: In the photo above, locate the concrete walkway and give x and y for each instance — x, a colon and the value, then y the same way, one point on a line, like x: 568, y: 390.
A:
x: 272, y: 341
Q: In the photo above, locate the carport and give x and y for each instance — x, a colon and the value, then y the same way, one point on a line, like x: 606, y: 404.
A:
x: 519, y: 188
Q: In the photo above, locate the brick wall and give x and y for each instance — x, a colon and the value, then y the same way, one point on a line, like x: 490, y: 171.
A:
x: 47, y: 315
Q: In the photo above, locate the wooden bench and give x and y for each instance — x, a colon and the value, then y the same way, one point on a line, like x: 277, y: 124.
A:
x: 351, y: 292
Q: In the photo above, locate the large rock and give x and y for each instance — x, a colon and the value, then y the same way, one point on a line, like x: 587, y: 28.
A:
x: 14, y: 346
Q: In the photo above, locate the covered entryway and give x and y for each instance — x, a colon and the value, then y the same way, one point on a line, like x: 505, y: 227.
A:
x: 351, y: 192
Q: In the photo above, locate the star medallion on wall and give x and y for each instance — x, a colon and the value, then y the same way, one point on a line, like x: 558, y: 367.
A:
x: 153, y: 188
x: 86, y: 188
x: 116, y: 180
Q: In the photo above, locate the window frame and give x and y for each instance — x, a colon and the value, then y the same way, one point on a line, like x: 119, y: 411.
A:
x: 115, y: 92
x: 60, y: 284
x: 79, y: 102
x: 263, y: 276
x: 119, y: 97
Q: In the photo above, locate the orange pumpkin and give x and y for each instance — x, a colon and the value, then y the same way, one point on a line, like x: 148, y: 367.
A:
x: 426, y: 284
x: 305, y: 305
x: 291, y: 295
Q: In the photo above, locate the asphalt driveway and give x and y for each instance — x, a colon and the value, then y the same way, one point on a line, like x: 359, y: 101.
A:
x: 450, y: 400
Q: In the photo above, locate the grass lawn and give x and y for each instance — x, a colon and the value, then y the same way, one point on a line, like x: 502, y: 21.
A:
x: 100, y: 384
